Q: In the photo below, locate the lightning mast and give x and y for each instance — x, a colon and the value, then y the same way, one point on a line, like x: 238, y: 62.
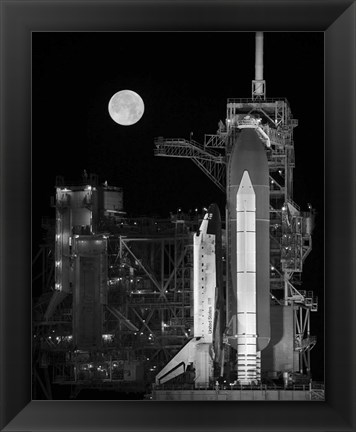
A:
x: 259, y: 84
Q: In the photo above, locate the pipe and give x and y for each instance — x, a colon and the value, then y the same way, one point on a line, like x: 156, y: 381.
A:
x: 259, y: 57
x: 265, y: 136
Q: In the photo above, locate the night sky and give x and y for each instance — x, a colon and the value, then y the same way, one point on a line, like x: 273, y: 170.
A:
x: 184, y: 80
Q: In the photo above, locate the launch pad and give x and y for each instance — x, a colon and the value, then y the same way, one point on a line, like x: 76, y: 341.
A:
x: 244, y: 394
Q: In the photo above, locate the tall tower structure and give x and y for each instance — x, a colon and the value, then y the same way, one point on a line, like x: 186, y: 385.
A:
x: 80, y: 260
x: 285, y: 315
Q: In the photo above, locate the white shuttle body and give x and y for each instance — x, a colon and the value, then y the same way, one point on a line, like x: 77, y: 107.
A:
x: 198, y: 352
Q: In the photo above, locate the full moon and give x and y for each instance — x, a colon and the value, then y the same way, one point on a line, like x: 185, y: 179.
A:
x: 126, y: 107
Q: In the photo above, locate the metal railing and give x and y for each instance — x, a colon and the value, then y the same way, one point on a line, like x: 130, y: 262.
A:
x: 254, y: 101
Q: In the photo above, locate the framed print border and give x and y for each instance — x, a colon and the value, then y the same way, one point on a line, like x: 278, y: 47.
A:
x: 18, y: 20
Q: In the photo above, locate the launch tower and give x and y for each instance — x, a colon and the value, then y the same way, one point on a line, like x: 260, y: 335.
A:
x: 280, y: 331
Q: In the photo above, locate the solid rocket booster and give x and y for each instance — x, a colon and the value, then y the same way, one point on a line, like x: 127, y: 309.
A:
x: 208, y: 319
x: 248, y: 305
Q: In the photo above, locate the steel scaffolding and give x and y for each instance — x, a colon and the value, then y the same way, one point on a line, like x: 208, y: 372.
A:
x: 147, y: 317
x: 290, y: 229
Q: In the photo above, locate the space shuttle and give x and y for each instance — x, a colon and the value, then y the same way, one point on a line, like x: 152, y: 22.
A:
x: 238, y: 314
x: 200, y: 352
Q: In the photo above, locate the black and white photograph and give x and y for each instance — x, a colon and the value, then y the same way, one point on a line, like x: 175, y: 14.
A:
x: 178, y: 216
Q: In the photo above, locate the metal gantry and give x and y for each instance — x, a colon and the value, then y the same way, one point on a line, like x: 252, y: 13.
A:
x: 158, y: 297
x: 209, y: 161
x: 147, y: 317
x: 290, y: 228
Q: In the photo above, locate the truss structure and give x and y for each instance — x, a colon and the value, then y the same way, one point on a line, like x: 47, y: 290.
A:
x: 290, y: 228
x: 146, y: 320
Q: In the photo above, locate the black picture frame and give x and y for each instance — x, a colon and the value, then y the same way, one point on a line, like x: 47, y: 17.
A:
x: 18, y: 20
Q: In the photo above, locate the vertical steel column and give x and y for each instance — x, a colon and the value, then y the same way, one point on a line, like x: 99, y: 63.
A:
x: 259, y: 58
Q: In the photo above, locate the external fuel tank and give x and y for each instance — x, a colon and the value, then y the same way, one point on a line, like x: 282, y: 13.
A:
x: 248, y: 298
